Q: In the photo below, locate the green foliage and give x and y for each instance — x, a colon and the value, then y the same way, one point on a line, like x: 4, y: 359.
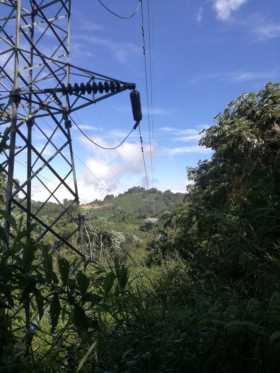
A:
x: 227, y: 232
x: 41, y: 309
x: 64, y: 269
x: 209, y: 299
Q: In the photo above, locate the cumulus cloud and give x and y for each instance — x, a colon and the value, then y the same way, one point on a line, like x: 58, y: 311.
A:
x: 112, y: 172
x: 99, y: 175
x: 225, y: 8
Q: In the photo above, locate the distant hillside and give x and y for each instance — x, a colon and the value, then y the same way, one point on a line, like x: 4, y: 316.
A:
x: 135, y: 204
x: 130, y: 218
x: 133, y: 216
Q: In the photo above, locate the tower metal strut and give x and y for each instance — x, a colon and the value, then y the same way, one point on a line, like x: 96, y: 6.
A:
x: 39, y: 89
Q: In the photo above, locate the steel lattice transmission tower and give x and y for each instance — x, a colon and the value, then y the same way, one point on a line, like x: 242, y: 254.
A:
x: 39, y: 89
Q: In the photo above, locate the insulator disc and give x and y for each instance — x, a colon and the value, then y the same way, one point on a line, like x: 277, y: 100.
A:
x: 82, y: 88
x: 94, y: 88
x: 70, y: 89
x: 118, y: 86
x: 100, y: 87
x: 106, y: 87
x: 89, y: 88
x: 64, y: 89
x: 76, y: 88
x: 112, y: 86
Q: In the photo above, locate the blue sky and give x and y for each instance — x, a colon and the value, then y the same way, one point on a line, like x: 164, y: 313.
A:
x: 204, y: 54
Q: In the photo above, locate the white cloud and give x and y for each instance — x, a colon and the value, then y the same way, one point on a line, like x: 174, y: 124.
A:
x: 86, y: 127
x: 248, y: 76
x: 184, y: 135
x: 120, y: 50
x: 100, y: 174
x: 89, y: 27
x: 225, y: 8
x: 239, y: 76
x: 155, y: 111
x: 7, y: 60
x: 199, y: 15
x: 111, y: 172
x: 187, y: 150
x: 268, y: 30
x: 40, y: 192
x: 167, y: 129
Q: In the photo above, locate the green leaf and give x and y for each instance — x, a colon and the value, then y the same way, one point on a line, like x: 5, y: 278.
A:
x: 237, y: 326
x: 83, y: 282
x: 108, y: 283
x: 122, y: 275
x: 4, y: 214
x: 86, y: 356
x: 64, y: 268
x: 274, y: 338
x: 55, y: 309
x: 93, y: 298
x: 48, y: 265
x: 28, y: 256
x: 40, y: 302
x: 80, y: 319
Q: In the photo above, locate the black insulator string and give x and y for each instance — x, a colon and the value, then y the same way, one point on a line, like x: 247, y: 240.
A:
x: 119, y: 15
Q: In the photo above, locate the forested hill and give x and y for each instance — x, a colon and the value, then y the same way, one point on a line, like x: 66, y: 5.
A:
x: 135, y: 204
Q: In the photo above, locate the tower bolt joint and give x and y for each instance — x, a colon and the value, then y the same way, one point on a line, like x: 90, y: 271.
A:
x: 67, y: 121
x: 30, y: 122
x: 15, y: 96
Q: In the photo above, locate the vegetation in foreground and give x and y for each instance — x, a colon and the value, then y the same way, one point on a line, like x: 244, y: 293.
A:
x: 207, y: 298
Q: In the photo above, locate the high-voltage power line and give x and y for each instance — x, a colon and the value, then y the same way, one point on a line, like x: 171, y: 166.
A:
x: 38, y: 83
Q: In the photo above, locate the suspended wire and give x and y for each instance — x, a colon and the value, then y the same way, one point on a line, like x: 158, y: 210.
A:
x: 143, y: 158
x: 114, y: 147
x: 148, y: 96
x: 112, y: 12
x: 151, y: 133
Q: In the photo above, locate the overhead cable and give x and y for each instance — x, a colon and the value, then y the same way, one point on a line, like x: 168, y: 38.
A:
x: 143, y: 158
x: 112, y: 12
x: 147, y: 80
x: 151, y: 133
x: 114, y: 147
